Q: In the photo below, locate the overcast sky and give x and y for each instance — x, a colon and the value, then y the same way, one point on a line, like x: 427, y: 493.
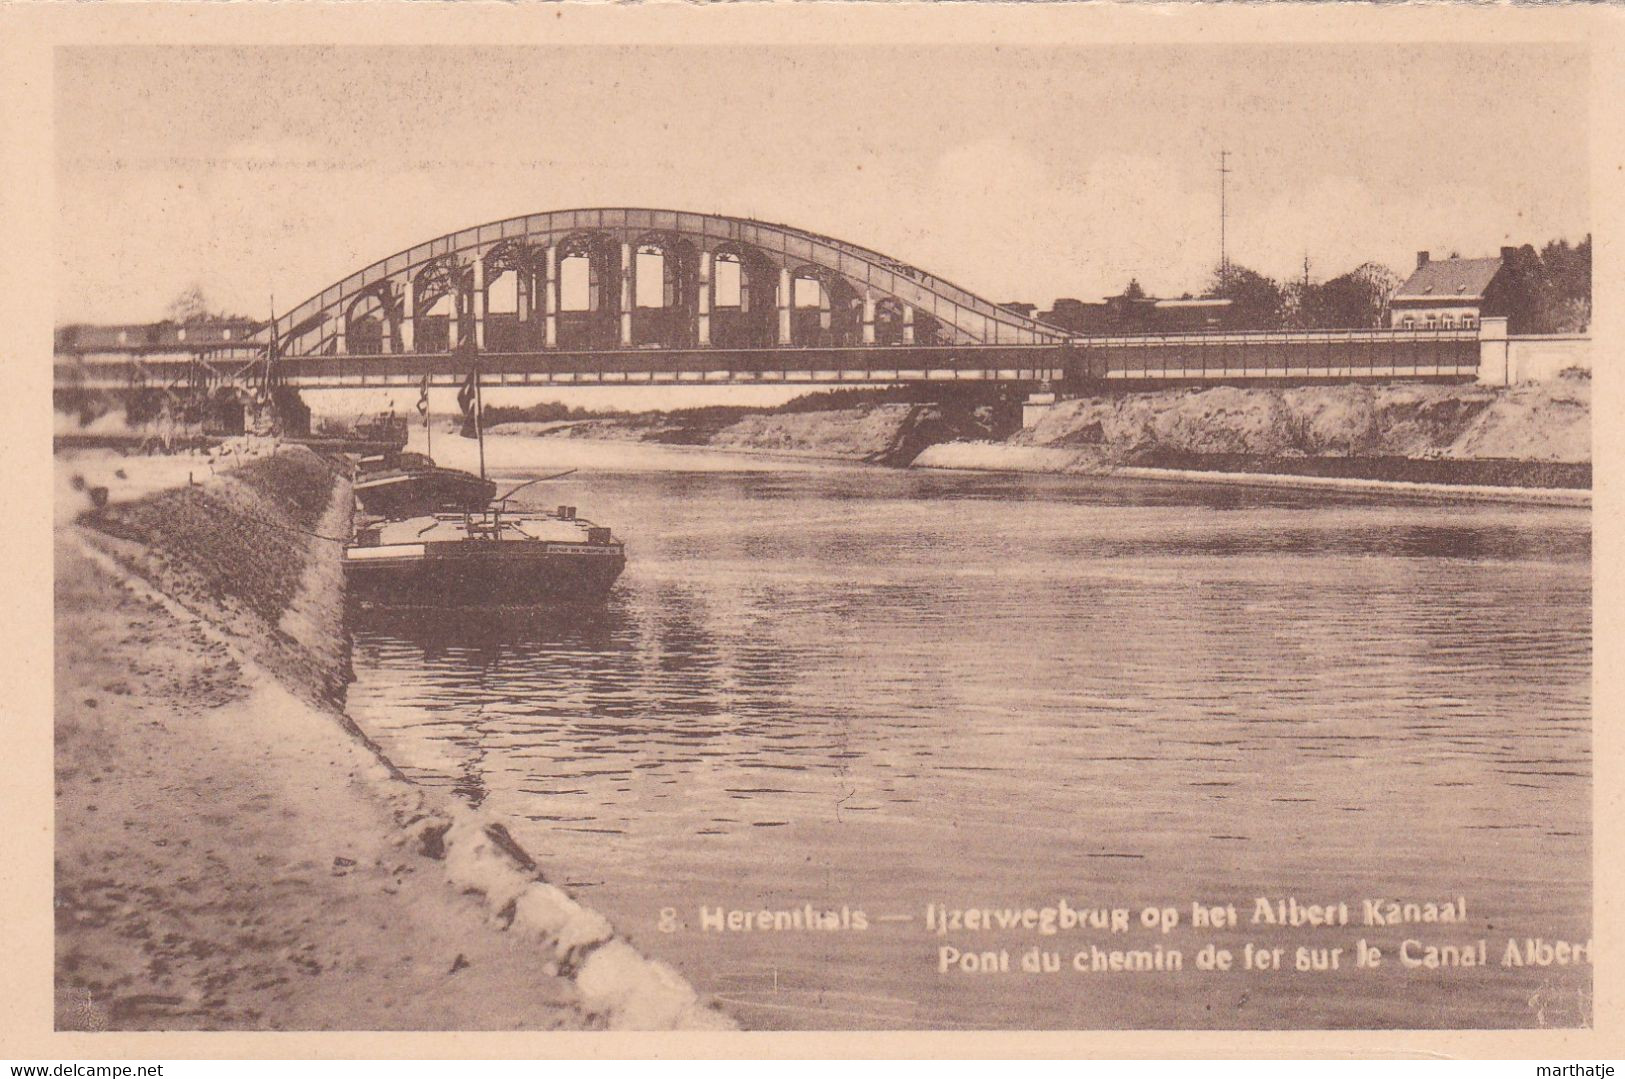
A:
x: 1019, y: 173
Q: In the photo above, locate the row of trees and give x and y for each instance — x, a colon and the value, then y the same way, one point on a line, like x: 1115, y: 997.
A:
x: 1354, y: 300
x: 1548, y: 291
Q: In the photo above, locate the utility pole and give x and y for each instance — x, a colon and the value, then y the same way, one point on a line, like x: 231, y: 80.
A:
x: 1224, y: 261
x: 1303, y: 296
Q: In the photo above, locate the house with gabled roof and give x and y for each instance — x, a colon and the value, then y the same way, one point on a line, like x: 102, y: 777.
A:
x: 1452, y: 294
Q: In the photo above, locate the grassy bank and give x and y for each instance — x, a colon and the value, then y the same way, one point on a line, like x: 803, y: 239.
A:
x: 236, y: 550
x: 231, y: 852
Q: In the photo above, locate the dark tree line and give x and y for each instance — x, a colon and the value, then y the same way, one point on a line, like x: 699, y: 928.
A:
x: 1549, y: 291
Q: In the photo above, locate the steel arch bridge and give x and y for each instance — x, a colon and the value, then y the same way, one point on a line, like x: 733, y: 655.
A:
x: 734, y: 301
x: 740, y: 300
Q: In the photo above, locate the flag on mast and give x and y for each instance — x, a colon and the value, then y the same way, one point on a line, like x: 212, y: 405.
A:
x: 423, y: 410
x: 468, y: 401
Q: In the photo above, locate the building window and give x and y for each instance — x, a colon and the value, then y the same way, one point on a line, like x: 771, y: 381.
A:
x: 1433, y: 322
x: 181, y: 336
x: 124, y: 337
x: 225, y: 334
x: 1468, y: 322
x: 1449, y: 322
x: 1409, y: 322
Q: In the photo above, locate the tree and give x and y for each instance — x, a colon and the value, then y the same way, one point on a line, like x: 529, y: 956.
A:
x: 192, y: 306
x: 1256, y: 301
x: 1563, y: 303
x: 1352, y: 301
x: 1134, y: 291
x: 1546, y: 291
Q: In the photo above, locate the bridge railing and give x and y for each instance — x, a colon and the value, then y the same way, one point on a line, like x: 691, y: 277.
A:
x: 1213, y: 357
x: 1313, y: 354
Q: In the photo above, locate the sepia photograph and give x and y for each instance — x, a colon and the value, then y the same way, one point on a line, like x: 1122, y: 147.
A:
x: 827, y: 533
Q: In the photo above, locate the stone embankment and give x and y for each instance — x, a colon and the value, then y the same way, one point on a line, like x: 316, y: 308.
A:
x: 231, y: 851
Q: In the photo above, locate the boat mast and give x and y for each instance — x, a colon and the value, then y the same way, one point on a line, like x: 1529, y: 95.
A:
x: 479, y: 420
x: 428, y: 428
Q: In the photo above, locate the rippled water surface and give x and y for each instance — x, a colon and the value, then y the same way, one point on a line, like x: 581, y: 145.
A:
x: 878, y: 690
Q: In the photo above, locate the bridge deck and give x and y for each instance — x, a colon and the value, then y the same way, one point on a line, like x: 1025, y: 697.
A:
x: 1333, y: 356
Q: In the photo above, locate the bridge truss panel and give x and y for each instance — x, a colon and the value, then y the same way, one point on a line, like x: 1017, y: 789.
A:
x: 961, y: 317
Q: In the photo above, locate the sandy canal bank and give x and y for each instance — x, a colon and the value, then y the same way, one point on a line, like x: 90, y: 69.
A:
x: 877, y: 433
x: 1530, y: 442
x: 231, y: 852
x: 1002, y: 457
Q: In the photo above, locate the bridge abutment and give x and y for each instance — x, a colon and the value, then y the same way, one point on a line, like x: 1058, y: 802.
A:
x: 1037, y: 406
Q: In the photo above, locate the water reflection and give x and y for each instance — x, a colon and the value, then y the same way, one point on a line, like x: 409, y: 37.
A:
x: 485, y: 637
x: 888, y: 689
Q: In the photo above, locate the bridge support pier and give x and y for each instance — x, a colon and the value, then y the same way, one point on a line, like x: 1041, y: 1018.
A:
x: 908, y: 324
x: 479, y: 303
x: 550, y: 297
x: 702, y: 321
x: 786, y: 299
x: 868, y: 318
x: 1036, y: 407
x: 455, y: 298
x: 409, y: 314
x: 628, y: 268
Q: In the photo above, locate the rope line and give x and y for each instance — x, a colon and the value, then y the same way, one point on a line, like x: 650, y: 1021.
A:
x: 282, y: 526
x: 287, y: 527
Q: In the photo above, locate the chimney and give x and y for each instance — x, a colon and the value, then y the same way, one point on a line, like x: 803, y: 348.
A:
x: 1421, y: 259
x: 1507, y: 253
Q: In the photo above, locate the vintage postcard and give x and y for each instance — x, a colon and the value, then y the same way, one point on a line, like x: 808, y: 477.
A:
x: 615, y: 529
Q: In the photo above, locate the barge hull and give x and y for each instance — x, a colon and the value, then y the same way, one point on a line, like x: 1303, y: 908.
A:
x: 484, y: 578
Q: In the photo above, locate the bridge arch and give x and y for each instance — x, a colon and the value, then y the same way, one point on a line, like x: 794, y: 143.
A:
x: 370, y: 322
x: 742, y: 297
x: 762, y: 257
x: 508, y: 282
x: 665, y: 282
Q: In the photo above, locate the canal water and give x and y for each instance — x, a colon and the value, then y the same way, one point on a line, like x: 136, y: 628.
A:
x: 844, y: 695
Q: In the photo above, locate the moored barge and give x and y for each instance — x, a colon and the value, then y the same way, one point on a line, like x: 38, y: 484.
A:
x: 410, y: 484
x: 492, y: 558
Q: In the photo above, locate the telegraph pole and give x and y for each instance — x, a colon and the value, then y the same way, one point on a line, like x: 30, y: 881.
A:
x: 1224, y: 261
